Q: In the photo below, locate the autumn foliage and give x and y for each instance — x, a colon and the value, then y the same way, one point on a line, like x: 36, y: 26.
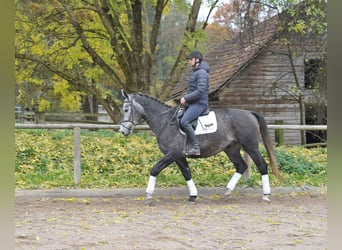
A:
x: 44, y: 159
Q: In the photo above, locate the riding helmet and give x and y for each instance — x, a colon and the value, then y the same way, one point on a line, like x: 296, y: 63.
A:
x: 195, y: 54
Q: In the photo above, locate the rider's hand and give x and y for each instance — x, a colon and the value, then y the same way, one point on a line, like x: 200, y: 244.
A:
x: 183, y: 101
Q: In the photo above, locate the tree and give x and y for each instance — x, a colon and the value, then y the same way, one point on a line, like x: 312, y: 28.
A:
x: 308, y: 20
x: 95, y: 48
x: 242, y: 15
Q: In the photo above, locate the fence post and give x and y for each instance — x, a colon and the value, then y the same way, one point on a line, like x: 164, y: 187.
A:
x: 77, y: 155
x: 279, y: 133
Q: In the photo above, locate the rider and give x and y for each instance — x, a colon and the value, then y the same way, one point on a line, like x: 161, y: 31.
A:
x: 196, y: 99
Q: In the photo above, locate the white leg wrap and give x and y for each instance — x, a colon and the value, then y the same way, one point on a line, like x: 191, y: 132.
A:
x: 233, y: 181
x: 192, y: 187
x: 151, y: 184
x: 266, y: 189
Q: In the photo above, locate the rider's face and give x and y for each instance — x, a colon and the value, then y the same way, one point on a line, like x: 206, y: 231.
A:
x: 192, y: 61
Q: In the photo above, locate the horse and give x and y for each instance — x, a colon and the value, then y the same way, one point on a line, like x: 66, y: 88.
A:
x: 236, y: 129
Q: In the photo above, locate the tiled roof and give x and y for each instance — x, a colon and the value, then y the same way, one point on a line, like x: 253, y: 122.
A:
x: 230, y: 57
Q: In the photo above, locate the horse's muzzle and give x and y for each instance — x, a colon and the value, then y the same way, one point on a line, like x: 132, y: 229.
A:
x: 125, y: 131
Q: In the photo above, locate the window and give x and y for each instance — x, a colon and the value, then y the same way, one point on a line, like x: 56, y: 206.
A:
x: 311, y: 72
x: 316, y: 114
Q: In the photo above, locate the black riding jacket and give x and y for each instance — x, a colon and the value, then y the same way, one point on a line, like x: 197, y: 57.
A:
x: 198, y: 86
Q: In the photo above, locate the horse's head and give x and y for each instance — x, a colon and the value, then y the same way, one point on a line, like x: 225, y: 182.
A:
x: 132, y: 114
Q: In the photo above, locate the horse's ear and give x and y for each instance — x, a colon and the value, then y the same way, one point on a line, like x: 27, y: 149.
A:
x: 124, y: 94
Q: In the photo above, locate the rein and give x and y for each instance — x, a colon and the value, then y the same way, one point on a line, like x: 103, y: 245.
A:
x: 130, y: 120
x: 176, y: 114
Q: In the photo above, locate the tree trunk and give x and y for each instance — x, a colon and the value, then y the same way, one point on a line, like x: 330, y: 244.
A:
x: 179, y: 65
x: 299, y: 99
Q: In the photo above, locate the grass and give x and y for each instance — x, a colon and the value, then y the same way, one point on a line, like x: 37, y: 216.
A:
x: 44, y: 159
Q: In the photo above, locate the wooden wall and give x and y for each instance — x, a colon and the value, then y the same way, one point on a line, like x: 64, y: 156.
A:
x: 263, y: 87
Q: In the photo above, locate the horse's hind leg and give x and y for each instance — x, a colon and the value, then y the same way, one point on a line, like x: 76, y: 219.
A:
x: 184, y: 168
x: 261, y: 164
x: 233, y: 152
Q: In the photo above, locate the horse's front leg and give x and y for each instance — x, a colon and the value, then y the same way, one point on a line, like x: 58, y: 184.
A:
x: 165, y: 161
x: 184, y: 168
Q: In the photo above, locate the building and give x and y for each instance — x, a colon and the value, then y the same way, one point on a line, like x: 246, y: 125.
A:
x: 264, y: 70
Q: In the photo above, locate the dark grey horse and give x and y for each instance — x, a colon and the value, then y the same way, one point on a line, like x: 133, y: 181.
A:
x: 237, y: 129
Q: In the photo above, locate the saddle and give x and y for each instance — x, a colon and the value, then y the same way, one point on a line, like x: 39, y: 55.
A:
x: 206, y: 122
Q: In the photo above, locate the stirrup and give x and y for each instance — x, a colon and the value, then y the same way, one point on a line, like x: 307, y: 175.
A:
x: 194, y: 150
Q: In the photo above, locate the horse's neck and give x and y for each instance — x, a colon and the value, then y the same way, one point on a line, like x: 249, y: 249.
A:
x: 158, y: 123
x: 157, y: 119
x: 157, y: 115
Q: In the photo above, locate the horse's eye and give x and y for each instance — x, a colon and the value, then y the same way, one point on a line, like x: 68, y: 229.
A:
x: 126, y: 110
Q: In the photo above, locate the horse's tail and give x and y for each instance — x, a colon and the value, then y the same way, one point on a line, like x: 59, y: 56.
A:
x: 266, y: 138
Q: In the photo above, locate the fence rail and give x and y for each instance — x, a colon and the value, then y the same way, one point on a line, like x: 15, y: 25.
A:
x: 143, y: 127
x: 78, y: 126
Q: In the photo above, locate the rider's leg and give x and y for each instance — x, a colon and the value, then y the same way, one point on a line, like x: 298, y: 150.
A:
x: 192, y: 113
x: 193, y: 146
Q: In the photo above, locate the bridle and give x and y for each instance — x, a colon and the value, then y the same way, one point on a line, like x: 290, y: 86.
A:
x: 131, y: 116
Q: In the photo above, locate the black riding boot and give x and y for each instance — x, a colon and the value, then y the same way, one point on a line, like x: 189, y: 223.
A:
x: 193, y: 147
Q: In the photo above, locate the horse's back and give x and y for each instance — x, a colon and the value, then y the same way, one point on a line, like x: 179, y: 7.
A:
x: 240, y: 117
x: 241, y: 124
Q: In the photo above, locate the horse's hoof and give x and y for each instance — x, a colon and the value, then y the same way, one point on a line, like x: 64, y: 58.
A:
x: 228, y: 192
x: 191, y: 203
x: 149, y: 202
x: 192, y: 198
x: 265, y: 197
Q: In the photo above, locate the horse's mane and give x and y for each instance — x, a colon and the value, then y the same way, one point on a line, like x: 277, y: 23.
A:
x: 153, y: 98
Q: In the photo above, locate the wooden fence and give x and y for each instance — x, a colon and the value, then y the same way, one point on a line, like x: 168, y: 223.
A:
x: 77, y: 137
x: 65, y: 117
